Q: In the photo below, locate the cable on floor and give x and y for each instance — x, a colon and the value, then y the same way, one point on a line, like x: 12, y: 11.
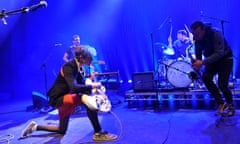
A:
x: 168, y: 132
x: 6, y: 138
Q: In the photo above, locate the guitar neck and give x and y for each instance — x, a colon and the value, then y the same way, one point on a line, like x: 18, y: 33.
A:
x: 98, y: 62
x: 107, y: 74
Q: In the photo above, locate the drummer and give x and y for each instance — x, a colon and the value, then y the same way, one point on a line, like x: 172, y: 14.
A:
x: 180, y: 45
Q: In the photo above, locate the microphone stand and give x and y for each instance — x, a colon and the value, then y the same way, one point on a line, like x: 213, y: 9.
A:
x: 152, y: 42
x: 44, y: 67
x: 153, y: 52
x: 218, y: 19
x: 5, y: 14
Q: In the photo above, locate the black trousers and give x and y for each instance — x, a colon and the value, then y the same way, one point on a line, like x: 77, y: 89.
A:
x: 93, y: 117
x: 223, y: 68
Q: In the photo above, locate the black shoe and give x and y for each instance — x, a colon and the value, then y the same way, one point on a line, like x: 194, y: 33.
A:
x: 221, y: 109
x: 230, y: 111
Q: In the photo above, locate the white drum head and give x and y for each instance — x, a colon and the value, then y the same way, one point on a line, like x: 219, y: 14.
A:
x: 177, y: 74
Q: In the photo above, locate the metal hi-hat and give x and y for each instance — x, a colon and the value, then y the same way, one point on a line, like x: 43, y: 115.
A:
x: 166, y: 49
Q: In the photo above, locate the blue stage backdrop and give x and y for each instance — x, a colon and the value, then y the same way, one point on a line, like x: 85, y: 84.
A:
x: 126, y: 34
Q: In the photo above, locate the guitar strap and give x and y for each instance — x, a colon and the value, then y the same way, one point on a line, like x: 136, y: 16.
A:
x: 80, y: 69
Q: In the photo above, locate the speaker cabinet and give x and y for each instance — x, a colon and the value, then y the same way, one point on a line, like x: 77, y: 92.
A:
x: 143, y: 81
x: 39, y: 100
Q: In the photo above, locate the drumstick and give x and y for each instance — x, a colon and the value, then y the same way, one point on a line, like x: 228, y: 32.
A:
x: 187, y: 28
x: 183, y: 56
x: 189, y: 33
x: 170, y: 37
x: 170, y: 33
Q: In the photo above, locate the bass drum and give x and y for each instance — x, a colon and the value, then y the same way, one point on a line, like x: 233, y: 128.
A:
x: 178, y: 74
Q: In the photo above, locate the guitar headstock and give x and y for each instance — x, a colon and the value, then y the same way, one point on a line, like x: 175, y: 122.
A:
x: 101, y: 62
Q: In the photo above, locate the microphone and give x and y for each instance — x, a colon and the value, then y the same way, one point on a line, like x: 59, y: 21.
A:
x: 170, y: 20
x: 2, y: 17
x: 42, y: 4
x: 4, y: 21
x: 57, y: 44
x: 201, y: 14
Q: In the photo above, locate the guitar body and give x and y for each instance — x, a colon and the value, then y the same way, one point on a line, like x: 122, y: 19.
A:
x: 98, y: 100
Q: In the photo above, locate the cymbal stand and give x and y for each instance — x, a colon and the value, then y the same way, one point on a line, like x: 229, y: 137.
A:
x: 162, y: 75
x: 153, y: 49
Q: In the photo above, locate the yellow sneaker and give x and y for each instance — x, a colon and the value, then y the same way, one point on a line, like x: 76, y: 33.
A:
x: 104, y: 136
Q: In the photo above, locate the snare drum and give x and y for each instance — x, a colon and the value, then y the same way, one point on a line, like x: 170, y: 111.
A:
x: 178, y: 74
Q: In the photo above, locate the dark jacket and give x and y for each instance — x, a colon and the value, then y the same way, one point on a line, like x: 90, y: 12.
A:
x: 213, y: 47
x: 69, y: 81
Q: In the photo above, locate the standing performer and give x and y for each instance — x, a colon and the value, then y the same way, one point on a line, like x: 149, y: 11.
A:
x: 75, y: 47
x: 218, y: 59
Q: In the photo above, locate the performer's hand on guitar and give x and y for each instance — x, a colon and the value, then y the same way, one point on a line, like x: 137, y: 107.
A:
x: 197, y: 64
x: 101, y: 62
x: 92, y: 76
x: 98, y: 100
x: 96, y: 85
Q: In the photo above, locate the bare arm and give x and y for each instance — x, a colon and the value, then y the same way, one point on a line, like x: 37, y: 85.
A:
x: 65, y: 57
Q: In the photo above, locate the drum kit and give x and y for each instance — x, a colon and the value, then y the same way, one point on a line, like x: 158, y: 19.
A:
x: 175, y: 72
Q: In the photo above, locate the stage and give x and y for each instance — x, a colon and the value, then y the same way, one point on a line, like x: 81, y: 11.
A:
x: 183, y: 95
x: 136, y: 125
x: 178, y: 91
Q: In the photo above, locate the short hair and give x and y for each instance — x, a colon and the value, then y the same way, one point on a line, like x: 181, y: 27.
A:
x: 84, y: 53
x: 76, y: 36
x: 183, y: 32
x: 197, y: 24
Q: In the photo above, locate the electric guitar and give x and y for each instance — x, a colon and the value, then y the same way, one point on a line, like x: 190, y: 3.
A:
x: 98, y: 100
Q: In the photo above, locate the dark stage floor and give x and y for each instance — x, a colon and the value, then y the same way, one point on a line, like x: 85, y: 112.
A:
x: 137, y: 122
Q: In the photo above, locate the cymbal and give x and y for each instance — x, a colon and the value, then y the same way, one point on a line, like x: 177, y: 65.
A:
x: 166, y: 49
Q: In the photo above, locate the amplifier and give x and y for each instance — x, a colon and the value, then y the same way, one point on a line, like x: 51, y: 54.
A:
x: 143, y: 81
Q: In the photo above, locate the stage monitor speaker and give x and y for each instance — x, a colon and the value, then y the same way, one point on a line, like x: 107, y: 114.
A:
x: 143, y: 81
x: 39, y: 100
